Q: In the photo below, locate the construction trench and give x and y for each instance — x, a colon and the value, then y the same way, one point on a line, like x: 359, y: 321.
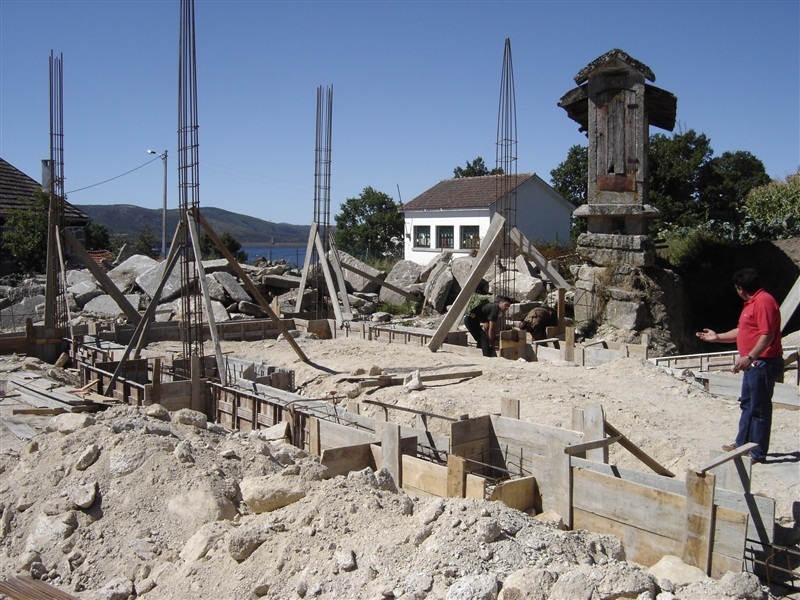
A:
x: 707, y: 516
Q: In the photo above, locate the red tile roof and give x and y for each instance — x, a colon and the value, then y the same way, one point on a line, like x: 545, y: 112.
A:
x: 466, y: 192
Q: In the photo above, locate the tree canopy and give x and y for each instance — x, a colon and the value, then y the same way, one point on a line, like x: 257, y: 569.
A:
x: 686, y: 182
x: 25, y: 234
x: 210, y: 251
x: 476, y: 168
x: 370, y: 226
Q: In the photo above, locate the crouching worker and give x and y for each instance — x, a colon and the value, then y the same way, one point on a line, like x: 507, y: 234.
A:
x: 486, y: 315
x: 538, y: 320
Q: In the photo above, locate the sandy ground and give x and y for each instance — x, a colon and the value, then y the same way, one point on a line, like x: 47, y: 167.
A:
x: 673, y: 420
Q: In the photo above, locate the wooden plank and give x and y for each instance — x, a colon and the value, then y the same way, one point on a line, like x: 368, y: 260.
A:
x: 517, y: 493
x: 22, y: 430
x: 638, y: 452
x: 476, y: 487
x: 426, y: 476
x: 456, y: 476
x: 730, y: 531
x: 594, y: 429
x: 630, y: 503
x: 336, y: 265
x: 24, y: 588
x: 468, y: 430
x: 760, y: 509
x: 556, y: 483
x: 489, y: 245
x: 345, y: 459
x: 589, y: 446
x: 329, y: 283
x: 38, y: 411
x: 314, y: 446
x: 530, y: 252
x: 509, y: 408
x: 391, y: 454
x: 732, y: 475
x: 641, y: 546
x: 526, y: 431
x: 699, y: 519
x: 789, y: 304
x: 723, y: 458
x: 333, y: 435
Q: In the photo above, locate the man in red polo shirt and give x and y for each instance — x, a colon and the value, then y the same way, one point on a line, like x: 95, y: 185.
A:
x: 758, y: 340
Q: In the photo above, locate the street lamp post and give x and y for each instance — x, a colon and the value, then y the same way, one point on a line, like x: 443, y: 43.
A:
x: 164, y: 212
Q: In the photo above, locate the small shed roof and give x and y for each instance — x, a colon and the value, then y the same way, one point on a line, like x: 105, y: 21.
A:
x: 17, y: 189
x: 466, y: 192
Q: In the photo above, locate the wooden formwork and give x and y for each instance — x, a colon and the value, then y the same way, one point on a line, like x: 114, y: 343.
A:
x: 710, y: 518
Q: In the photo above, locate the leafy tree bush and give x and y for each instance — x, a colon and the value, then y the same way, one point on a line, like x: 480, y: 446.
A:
x: 774, y: 209
x: 98, y: 237
x: 210, y: 251
x: 25, y: 235
x: 476, y: 168
x: 569, y: 179
x: 370, y: 226
x: 146, y: 242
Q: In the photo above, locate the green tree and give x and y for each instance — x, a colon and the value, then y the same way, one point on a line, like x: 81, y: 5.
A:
x: 25, y: 235
x: 210, y: 251
x: 774, y: 209
x: 570, y: 176
x: 370, y: 226
x: 476, y: 168
x: 98, y: 237
x: 146, y: 242
x: 727, y: 179
x: 677, y: 166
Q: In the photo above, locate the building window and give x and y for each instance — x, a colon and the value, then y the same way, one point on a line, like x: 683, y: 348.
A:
x: 422, y: 236
x: 469, y: 237
x: 444, y: 236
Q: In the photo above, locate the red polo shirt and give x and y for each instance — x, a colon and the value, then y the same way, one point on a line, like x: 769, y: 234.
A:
x: 760, y: 316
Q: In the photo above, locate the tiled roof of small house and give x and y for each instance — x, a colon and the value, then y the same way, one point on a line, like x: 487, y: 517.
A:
x: 16, y: 190
x: 465, y: 192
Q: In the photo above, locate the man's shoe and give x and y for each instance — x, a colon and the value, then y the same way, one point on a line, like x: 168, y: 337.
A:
x: 728, y: 447
x: 755, y: 459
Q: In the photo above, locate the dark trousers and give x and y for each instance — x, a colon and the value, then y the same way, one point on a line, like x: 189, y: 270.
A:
x: 755, y: 422
x: 481, y: 337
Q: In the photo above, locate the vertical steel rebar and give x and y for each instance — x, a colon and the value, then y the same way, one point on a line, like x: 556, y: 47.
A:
x: 188, y: 184
x: 506, y: 183
x: 322, y: 195
x: 55, y: 295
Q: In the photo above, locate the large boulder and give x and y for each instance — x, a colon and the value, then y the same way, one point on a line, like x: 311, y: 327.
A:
x: 149, y: 280
x: 437, y: 288
x: 83, y: 291
x: 232, y: 287
x: 106, y: 306
x: 124, y: 275
x: 14, y: 316
x: 359, y: 283
x: 403, y: 275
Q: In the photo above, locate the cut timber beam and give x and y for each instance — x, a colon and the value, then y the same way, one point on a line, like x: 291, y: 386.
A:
x: 489, y: 245
x: 249, y: 285
x: 381, y: 282
x: 728, y: 456
x: 530, y: 251
x: 101, y: 277
x: 789, y: 304
x: 638, y: 452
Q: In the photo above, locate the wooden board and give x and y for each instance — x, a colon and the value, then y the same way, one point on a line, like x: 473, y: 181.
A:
x: 518, y: 493
x: 630, y: 503
x: 341, y: 461
x: 699, y: 520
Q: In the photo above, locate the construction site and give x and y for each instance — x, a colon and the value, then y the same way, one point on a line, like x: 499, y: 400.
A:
x: 312, y: 451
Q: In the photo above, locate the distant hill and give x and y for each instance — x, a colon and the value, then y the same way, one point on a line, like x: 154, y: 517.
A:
x: 127, y: 220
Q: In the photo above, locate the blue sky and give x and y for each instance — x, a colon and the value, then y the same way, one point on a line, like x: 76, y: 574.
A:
x: 416, y: 89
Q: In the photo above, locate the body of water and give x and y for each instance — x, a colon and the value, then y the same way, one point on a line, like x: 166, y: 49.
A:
x: 294, y: 255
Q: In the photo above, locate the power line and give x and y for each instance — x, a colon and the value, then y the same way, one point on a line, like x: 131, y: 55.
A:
x: 113, y: 178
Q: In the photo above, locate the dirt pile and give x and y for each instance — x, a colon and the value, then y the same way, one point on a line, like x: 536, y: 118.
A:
x: 139, y: 502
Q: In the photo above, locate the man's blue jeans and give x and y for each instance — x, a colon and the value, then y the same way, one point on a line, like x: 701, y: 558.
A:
x: 758, y: 384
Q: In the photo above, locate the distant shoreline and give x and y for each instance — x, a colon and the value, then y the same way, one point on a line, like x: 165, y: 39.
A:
x: 272, y: 244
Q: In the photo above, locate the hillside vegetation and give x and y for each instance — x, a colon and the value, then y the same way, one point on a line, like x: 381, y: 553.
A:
x: 127, y: 220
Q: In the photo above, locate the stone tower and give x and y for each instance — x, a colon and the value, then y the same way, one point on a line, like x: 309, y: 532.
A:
x: 615, y: 106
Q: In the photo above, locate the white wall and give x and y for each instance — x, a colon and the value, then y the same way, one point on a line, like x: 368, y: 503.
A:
x: 542, y: 214
x: 454, y: 218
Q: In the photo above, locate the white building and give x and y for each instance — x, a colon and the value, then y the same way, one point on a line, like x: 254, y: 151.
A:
x: 455, y: 214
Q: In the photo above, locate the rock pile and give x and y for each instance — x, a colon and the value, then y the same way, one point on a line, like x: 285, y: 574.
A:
x: 141, y: 502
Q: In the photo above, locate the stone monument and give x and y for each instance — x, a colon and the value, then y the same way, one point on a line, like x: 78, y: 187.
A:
x: 619, y: 286
x: 615, y: 106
